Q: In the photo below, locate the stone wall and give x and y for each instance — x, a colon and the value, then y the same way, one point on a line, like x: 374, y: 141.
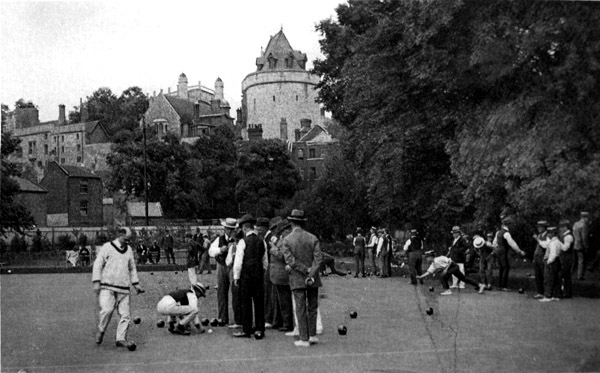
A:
x: 270, y: 96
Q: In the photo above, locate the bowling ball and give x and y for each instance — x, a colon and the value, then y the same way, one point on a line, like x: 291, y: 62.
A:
x: 137, y: 320
x: 214, y: 322
x: 205, y: 321
x: 221, y: 322
x: 521, y: 291
x: 259, y: 335
x: 349, y: 272
x: 353, y: 314
x: 431, y: 288
x: 429, y: 311
x: 160, y: 323
x: 342, y: 330
x: 131, y: 346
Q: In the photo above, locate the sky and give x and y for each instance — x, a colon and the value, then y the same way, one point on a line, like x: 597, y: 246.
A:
x: 54, y: 53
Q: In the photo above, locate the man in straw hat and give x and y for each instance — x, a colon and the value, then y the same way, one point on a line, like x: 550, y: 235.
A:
x: 302, y: 253
x: 458, y: 253
x: 552, y: 274
x: 219, y: 250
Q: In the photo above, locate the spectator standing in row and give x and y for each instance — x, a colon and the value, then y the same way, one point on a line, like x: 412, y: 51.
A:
x: 581, y: 243
x: 566, y: 258
x: 552, y: 273
x: 219, y: 250
x: 372, y: 249
x: 359, y: 244
x: 503, y: 242
x: 154, y: 253
x: 458, y: 253
x: 192, y: 258
x: 413, y: 247
x: 538, y: 258
x: 167, y: 243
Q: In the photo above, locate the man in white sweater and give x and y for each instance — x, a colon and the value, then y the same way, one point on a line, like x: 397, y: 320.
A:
x: 113, y: 273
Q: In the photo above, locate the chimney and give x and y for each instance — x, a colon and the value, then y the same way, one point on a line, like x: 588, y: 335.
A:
x: 61, y: 115
x: 85, y: 116
x: 283, y: 130
x: 255, y: 132
x: 182, y: 87
x: 196, y: 110
x: 305, y: 123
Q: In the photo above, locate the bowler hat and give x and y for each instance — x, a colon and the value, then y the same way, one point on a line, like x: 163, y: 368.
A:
x: 281, y: 226
x: 262, y: 222
x: 564, y: 223
x: 248, y: 218
x: 297, y: 215
x: 413, y: 231
x: 228, y: 223
x: 455, y: 229
x: 273, y: 223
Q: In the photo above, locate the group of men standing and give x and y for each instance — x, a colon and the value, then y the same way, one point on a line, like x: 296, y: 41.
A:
x: 378, y: 246
x: 272, y: 268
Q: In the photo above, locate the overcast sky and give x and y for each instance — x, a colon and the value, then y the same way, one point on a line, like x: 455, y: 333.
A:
x: 55, y: 53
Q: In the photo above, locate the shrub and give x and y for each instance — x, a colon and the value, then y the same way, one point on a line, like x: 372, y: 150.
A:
x: 18, y: 244
x: 65, y: 242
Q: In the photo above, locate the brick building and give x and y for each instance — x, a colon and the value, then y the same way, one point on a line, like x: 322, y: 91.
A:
x: 84, y: 144
x: 189, y: 111
x: 34, y: 198
x: 74, y: 196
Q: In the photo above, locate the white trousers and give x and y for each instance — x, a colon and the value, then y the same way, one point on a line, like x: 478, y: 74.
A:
x: 192, y: 275
x: 455, y: 282
x: 169, y: 307
x: 109, y: 300
x: 319, y: 322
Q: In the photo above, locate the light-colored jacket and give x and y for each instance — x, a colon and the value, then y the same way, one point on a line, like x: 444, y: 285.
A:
x: 580, y: 235
x: 302, y: 252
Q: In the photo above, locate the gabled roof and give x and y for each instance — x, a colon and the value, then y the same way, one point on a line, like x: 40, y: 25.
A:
x: 181, y: 106
x: 138, y: 209
x: 28, y: 186
x: 280, y: 48
x: 317, y: 133
x: 74, y: 171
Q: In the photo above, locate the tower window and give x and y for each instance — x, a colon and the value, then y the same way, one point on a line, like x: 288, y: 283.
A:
x: 296, y: 97
x: 273, y: 98
x: 300, y: 154
x: 312, y: 153
x: 83, y: 186
x: 78, y: 147
x: 83, y: 208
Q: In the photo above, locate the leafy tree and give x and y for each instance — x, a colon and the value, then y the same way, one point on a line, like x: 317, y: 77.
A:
x: 22, y: 104
x: 5, y: 111
x: 266, y: 176
x: 14, y: 216
x: 75, y: 115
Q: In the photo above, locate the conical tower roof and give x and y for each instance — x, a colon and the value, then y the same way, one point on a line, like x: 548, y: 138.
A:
x: 283, y: 56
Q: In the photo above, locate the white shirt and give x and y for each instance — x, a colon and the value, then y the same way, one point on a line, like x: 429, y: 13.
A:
x: 568, y: 238
x: 554, y: 248
x: 508, y: 239
x: 239, y: 257
x: 439, y: 263
x: 379, y: 245
x: 373, y: 241
x: 214, y: 248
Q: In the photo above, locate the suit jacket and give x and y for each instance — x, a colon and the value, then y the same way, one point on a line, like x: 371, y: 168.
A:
x: 580, y: 235
x: 302, y: 252
x: 277, y: 273
x: 458, y: 250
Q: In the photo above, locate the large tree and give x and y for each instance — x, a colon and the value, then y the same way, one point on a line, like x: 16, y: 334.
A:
x: 14, y: 215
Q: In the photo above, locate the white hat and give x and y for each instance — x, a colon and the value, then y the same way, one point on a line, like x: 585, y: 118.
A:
x: 478, y: 242
x: 229, y: 223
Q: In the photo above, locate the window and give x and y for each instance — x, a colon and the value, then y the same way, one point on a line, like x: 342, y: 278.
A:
x: 300, y: 154
x: 296, y: 97
x: 78, y: 159
x: 45, y: 148
x: 45, y: 136
x: 77, y: 136
x: 62, y: 138
x: 62, y: 149
x: 19, y: 151
x: 272, y: 61
x: 62, y: 160
x: 312, y: 153
x: 83, y: 208
x: 273, y: 98
x: 39, y: 164
x: 83, y: 186
x: 31, y: 145
x: 78, y: 147
x: 313, y: 173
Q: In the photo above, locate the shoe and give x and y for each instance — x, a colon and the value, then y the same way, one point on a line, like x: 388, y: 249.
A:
x: 319, y: 331
x: 488, y: 287
x: 236, y: 326
x: 268, y: 325
x: 293, y: 333
x: 356, y: 275
x: 180, y: 330
x: 421, y: 281
x: 284, y: 329
x: 461, y: 286
x: 453, y: 287
x: 99, y: 337
x: 240, y: 335
x: 447, y: 292
x: 481, y: 288
x: 505, y: 289
x: 313, y: 340
x: 555, y: 299
x: 544, y: 299
x: 122, y: 344
x: 538, y: 296
x: 301, y: 344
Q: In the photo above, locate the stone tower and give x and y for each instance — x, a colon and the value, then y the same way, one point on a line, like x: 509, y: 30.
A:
x: 280, y: 89
x: 182, y: 87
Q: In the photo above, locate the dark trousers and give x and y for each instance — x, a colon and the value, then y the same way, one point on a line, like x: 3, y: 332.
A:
x: 307, y: 302
x: 268, y: 300
x: 372, y: 254
x: 359, y: 261
x: 552, y: 280
x: 204, y: 262
x: 566, y: 269
x: 486, y: 268
x: 223, y: 292
x: 252, y: 298
x: 276, y: 307
x: 539, y: 268
x: 152, y: 255
x: 504, y: 268
x: 236, y: 300
x: 170, y: 254
x: 454, y: 270
x: 284, y: 300
x: 386, y: 264
x: 415, y: 265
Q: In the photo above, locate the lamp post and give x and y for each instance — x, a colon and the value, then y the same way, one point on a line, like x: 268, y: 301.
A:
x: 145, y: 171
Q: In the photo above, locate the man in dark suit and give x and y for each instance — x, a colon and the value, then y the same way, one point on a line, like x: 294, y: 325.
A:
x: 458, y: 253
x: 279, y: 276
x: 249, y: 268
x: 219, y: 250
x: 302, y: 253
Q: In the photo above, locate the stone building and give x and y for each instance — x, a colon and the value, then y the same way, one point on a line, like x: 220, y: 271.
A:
x: 74, y: 196
x: 84, y: 144
x: 280, y: 93
x: 189, y: 111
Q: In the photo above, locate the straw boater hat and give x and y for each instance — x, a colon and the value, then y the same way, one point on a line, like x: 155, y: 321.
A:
x: 297, y: 215
x: 228, y: 223
x: 542, y: 223
x: 478, y: 242
x: 585, y: 213
x: 199, y: 289
x: 455, y: 229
